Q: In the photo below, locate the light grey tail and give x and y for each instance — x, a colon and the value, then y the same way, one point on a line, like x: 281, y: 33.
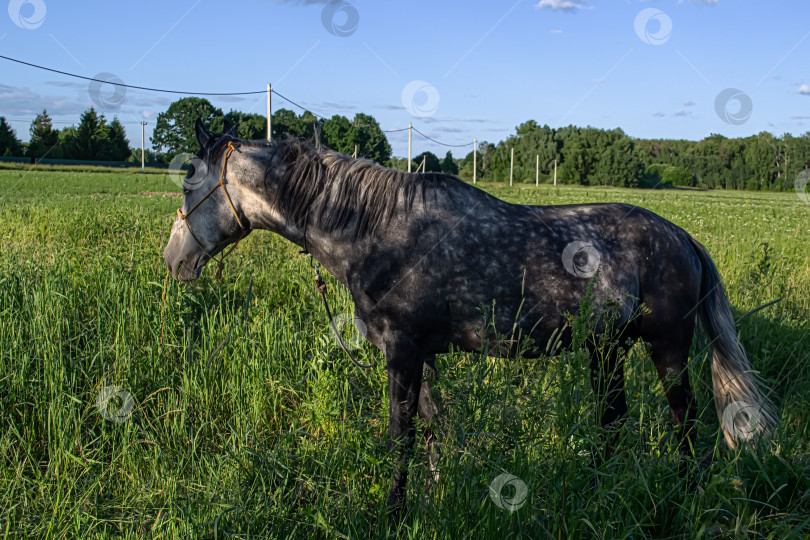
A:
x: 744, y: 411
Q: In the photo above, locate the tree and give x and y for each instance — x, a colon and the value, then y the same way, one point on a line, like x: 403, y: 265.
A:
x: 43, y: 136
x: 448, y: 164
x: 68, y: 147
x: 761, y: 156
x: 174, y: 128
x: 249, y: 126
x: 286, y: 123
x: 573, y: 168
x: 432, y: 163
x: 9, y: 143
x: 486, y: 152
x: 617, y: 164
x: 465, y: 171
x: 339, y: 134
x: 118, y: 144
x: 372, y: 142
x: 92, y: 139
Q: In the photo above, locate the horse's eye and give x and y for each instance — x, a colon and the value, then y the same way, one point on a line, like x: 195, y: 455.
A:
x: 190, y: 173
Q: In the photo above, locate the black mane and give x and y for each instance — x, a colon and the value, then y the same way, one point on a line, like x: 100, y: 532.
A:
x: 340, y: 191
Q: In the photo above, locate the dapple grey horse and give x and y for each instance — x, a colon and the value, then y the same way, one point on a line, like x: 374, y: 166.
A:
x: 422, y: 253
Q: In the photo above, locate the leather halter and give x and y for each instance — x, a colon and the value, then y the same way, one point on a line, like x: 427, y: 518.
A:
x: 229, y: 149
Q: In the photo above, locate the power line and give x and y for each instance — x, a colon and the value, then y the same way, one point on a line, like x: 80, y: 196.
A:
x: 180, y: 92
x: 133, y: 86
x: 305, y: 109
x: 441, y: 143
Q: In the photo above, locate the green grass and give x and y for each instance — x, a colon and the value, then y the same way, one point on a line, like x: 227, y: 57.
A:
x: 277, y: 435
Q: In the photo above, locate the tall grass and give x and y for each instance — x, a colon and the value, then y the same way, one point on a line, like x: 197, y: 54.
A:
x: 246, y: 420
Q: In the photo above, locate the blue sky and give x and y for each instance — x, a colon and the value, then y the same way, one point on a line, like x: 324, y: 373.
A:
x: 457, y: 70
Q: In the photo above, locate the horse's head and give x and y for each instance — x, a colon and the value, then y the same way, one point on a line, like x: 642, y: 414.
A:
x: 211, y: 215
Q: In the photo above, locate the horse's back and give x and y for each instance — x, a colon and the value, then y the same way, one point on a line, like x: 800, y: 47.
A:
x: 532, y: 264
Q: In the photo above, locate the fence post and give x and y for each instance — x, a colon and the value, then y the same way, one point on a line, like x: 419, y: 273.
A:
x: 143, y: 147
x: 511, y: 166
x: 269, y: 114
x: 410, y: 141
x: 475, y: 159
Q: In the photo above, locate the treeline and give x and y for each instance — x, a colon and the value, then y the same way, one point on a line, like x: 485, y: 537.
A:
x: 96, y: 139
x: 93, y: 139
x: 174, y: 129
x: 585, y: 156
x: 591, y: 156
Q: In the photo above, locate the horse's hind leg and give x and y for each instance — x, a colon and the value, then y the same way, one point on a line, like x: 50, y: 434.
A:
x: 670, y: 353
x: 607, y: 379
x: 404, y: 364
x: 428, y: 410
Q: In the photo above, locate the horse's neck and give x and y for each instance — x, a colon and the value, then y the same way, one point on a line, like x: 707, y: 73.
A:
x: 330, y: 249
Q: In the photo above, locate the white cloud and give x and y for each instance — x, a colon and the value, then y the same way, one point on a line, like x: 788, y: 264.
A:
x: 330, y: 105
x: 682, y: 112
x: 448, y: 129
x: 804, y: 90
x: 23, y: 101
x: 569, y: 6
x: 433, y: 120
x: 556, y: 32
x: 689, y: 103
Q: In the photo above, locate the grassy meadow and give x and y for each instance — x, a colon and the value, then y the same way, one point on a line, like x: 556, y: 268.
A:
x: 134, y: 407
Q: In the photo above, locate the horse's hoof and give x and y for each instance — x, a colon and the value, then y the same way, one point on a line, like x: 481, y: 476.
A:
x: 396, y: 510
x: 396, y: 502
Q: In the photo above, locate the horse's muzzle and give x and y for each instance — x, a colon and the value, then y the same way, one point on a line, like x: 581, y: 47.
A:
x: 184, y: 262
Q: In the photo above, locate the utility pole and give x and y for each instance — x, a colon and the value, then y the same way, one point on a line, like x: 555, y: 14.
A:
x: 555, y: 172
x: 511, y: 166
x: 475, y: 159
x: 143, y: 147
x: 537, y: 173
x: 410, y: 141
x: 269, y: 114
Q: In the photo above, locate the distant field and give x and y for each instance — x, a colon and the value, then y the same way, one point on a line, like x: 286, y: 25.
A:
x: 275, y: 434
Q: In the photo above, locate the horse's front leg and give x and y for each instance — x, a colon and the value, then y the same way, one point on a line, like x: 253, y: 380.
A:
x: 428, y: 411
x: 404, y: 378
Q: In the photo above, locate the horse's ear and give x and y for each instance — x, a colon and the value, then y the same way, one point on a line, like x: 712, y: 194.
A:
x: 228, y: 129
x: 203, y: 136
